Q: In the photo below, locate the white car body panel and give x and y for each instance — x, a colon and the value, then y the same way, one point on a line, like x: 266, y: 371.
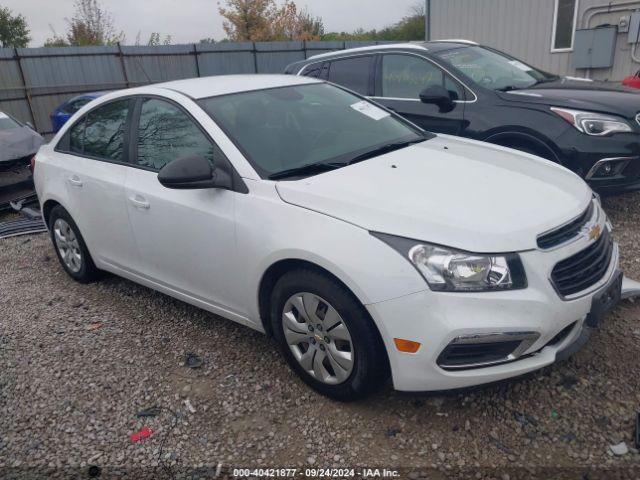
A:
x: 211, y: 247
x: 416, y: 191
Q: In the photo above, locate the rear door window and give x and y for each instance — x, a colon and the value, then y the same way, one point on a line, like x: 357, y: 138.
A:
x: 352, y: 73
x: 104, y: 131
x: 76, y: 137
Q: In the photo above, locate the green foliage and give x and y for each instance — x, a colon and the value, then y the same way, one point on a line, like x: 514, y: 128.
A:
x: 155, y: 40
x: 13, y: 29
x: 409, y: 28
x: 91, y: 24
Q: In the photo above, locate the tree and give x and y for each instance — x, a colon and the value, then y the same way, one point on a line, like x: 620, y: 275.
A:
x: 247, y: 20
x: 91, y: 24
x: 263, y: 20
x: 155, y: 40
x: 410, y: 27
x: 13, y: 29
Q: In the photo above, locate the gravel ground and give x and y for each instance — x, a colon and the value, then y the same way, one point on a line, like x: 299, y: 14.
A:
x: 77, y: 362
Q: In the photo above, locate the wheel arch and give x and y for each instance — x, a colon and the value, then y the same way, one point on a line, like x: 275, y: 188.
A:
x: 537, y: 144
x: 281, y: 267
x: 47, y: 206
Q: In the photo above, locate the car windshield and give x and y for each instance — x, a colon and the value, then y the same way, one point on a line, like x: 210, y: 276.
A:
x: 492, y: 69
x: 295, y: 127
x: 7, y: 123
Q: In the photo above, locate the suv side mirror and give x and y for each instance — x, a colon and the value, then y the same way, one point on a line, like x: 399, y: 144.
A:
x: 194, y: 172
x: 438, y: 95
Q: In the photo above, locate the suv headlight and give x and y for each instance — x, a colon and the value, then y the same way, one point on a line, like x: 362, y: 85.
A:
x: 449, y: 270
x: 592, y: 123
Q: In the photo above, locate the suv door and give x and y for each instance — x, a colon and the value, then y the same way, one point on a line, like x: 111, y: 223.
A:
x: 400, y: 77
x: 185, y: 238
x: 94, y: 155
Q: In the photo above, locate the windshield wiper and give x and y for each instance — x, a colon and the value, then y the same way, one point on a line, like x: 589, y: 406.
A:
x: 389, y: 147
x: 305, y: 170
x: 507, y: 88
x: 327, y: 166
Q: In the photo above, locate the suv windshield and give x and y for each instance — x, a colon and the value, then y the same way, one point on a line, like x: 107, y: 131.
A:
x: 288, y: 129
x: 493, y: 69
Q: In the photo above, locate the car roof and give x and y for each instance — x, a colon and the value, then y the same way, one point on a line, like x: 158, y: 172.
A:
x: 433, y: 45
x: 386, y: 46
x: 204, y: 87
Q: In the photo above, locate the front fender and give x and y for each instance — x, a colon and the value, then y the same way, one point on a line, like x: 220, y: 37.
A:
x: 372, y: 270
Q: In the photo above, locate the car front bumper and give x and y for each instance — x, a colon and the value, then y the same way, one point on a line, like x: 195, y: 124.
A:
x: 436, y: 319
x: 588, y: 157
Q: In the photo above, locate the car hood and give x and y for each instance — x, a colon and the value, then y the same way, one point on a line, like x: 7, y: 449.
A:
x: 448, y: 191
x: 18, y: 142
x: 581, y: 95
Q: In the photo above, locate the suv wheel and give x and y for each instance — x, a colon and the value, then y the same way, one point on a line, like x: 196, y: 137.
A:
x: 326, y: 336
x: 70, y: 247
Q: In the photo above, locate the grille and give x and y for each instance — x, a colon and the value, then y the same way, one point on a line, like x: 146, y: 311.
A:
x: 566, y: 232
x: 585, y: 268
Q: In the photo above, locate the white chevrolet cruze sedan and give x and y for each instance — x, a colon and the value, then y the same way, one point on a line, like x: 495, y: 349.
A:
x: 365, y: 246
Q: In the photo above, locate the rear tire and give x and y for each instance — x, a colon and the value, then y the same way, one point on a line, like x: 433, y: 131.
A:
x: 326, y: 335
x: 70, y: 248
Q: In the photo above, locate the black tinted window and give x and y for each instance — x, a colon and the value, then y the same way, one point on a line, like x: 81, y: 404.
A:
x: 166, y: 133
x: 405, y: 76
x: 104, y: 131
x: 352, y: 73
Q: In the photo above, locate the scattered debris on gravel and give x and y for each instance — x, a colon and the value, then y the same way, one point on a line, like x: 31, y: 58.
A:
x: 83, y: 368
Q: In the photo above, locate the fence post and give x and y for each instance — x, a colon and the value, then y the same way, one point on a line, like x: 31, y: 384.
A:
x: 195, y: 55
x: 123, y: 66
x: 255, y: 58
x: 27, y: 91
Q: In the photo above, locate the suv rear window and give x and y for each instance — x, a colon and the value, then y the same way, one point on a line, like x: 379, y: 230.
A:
x: 352, y: 73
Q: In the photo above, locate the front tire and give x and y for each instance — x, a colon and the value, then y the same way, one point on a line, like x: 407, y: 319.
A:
x: 326, y: 335
x: 70, y: 248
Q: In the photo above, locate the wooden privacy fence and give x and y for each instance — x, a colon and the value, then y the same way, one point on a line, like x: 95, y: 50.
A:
x: 34, y: 81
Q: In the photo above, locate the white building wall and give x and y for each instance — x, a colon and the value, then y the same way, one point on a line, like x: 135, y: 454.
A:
x: 524, y: 28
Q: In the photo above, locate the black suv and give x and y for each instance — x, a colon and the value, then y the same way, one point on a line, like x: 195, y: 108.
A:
x: 461, y: 88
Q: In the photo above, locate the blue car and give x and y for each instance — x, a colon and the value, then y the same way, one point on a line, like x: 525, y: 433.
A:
x: 64, y: 112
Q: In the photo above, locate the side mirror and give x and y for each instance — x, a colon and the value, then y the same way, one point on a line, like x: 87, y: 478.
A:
x: 438, y: 95
x: 194, y: 172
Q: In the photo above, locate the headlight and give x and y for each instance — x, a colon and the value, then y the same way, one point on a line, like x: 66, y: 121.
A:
x: 592, y: 123
x: 450, y: 270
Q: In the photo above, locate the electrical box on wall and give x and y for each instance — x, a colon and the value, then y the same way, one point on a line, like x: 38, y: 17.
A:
x: 634, y: 28
x: 623, y: 23
x: 595, y: 47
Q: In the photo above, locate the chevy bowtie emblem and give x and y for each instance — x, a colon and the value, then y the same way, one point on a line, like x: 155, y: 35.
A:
x: 594, y: 232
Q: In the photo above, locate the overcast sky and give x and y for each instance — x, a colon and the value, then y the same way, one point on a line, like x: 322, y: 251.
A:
x: 190, y: 20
